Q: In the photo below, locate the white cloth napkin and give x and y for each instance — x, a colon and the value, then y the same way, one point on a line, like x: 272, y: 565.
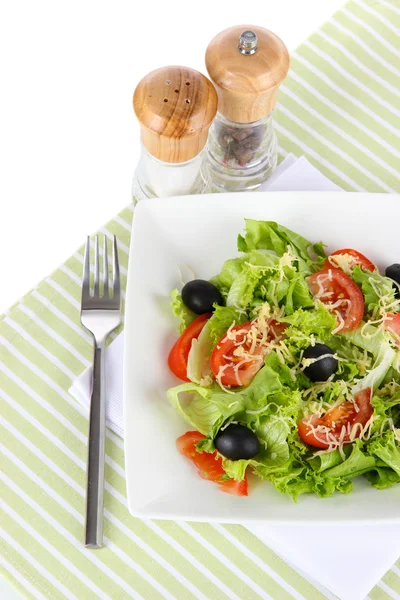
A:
x: 347, y: 560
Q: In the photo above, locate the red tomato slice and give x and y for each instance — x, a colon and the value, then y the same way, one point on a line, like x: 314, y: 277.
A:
x: 340, y: 295
x: 236, y: 488
x: 392, y: 324
x: 178, y: 357
x: 209, y: 465
x: 344, y: 415
x: 186, y: 443
x: 357, y: 259
x: 232, y: 369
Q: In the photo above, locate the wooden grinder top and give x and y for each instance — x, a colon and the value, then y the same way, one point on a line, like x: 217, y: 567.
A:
x: 247, y: 79
x: 175, y: 106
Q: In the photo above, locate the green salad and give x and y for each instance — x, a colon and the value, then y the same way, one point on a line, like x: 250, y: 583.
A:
x: 289, y: 362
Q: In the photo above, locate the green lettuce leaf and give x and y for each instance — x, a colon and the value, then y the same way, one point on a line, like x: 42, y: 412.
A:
x: 269, y: 235
x: 374, y: 287
x: 386, y: 448
x: 263, y: 390
x: 242, y: 290
x: 300, y: 479
x: 302, y: 297
x: 386, y: 406
x: 222, y: 319
x: 383, y: 477
x: 192, y: 402
x: 274, y: 452
x: 356, y: 362
x: 264, y: 384
x: 283, y: 371
x: 356, y: 464
x: 376, y: 375
x: 198, y: 364
x: 184, y: 314
x: 371, y: 340
x: 274, y: 434
x: 205, y: 445
x: 256, y: 260
x: 304, y: 323
x: 325, y: 461
x: 235, y: 469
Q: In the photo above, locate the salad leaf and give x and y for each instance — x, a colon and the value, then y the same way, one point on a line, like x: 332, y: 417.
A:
x: 325, y: 461
x: 382, y: 364
x: 272, y: 236
x: 356, y: 464
x: 300, y: 479
x: 367, y: 338
x: 374, y: 287
x: 386, y: 448
x: 242, y: 289
x: 386, y: 411
x: 264, y: 384
x: 302, y: 297
x: 205, y: 445
x: 222, y: 319
x: 302, y: 324
x: 184, y: 314
x: 230, y: 270
x: 235, y: 469
x: 383, y: 477
x: 285, y: 374
x: 257, y: 260
x: 357, y: 361
x: 274, y: 433
x: 272, y: 456
x: 192, y: 402
x: 261, y: 397
x: 198, y: 364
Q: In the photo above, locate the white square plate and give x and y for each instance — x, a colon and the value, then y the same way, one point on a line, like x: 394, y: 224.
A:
x: 201, y: 231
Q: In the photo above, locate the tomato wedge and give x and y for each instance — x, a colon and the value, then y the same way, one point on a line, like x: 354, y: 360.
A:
x: 344, y: 415
x: 356, y: 259
x: 178, y: 357
x: 228, y: 361
x: 392, y: 324
x: 209, y: 465
x: 340, y: 295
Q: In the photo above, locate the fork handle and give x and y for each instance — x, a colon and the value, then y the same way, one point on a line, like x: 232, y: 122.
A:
x: 95, y: 469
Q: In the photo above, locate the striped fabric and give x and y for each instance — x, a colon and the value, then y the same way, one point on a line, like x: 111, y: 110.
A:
x: 340, y: 107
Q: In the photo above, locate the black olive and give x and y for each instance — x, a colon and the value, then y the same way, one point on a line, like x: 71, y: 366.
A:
x: 393, y: 272
x: 200, y: 295
x: 236, y: 442
x: 320, y: 370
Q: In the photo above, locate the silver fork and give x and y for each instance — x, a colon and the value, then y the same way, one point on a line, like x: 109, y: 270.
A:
x: 100, y: 315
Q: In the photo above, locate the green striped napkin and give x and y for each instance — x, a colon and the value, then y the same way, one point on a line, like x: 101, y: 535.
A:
x: 340, y: 107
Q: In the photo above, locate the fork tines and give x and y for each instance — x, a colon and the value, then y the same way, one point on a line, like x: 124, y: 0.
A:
x: 106, y: 299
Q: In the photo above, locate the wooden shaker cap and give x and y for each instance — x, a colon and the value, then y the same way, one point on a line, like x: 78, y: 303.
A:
x: 175, y: 106
x: 247, y: 84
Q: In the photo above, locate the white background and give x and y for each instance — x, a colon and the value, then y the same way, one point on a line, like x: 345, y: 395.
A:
x: 68, y: 137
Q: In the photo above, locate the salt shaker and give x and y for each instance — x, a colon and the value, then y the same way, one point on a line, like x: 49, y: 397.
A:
x: 246, y: 64
x: 175, y: 107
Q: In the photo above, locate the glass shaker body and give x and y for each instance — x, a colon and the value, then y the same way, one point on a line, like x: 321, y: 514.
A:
x: 156, y: 178
x: 241, y: 156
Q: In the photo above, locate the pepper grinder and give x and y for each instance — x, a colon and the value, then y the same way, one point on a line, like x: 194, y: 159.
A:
x: 175, y: 107
x: 246, y: 64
